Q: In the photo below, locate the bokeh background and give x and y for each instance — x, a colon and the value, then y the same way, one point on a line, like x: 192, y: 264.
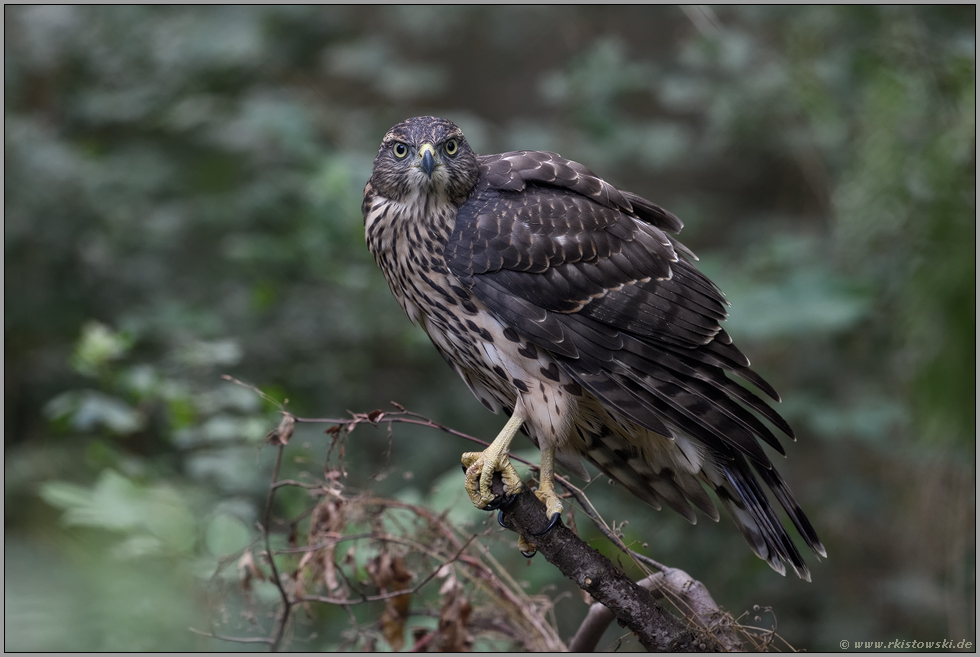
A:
x: 182, y: 200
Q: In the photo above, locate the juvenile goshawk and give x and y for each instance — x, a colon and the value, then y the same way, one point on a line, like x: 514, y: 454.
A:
x: 562, y: 301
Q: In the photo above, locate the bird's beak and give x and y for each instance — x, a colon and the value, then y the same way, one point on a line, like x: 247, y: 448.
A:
x: 428, y: 160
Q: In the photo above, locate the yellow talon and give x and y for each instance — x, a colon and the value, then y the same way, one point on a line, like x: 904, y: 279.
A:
x: 546, y: 486
x: 480, y: 467
x: 479, y: 475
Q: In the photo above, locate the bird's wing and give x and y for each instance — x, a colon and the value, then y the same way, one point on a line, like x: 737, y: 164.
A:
x: 586, y: 272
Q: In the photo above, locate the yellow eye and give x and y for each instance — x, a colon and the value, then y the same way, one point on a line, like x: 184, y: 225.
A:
x: 452, y: 147
x: 400, y: 150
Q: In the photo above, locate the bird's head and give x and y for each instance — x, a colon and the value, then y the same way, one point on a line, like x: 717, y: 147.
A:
x: 425, y: 156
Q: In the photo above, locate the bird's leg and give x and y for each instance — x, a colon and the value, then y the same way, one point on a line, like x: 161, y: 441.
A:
x: 480, y: 467
x: 546, y: 487
x: 546, y: 493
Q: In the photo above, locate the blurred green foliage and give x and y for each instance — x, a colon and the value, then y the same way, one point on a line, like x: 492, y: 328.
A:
x: 182, y: 192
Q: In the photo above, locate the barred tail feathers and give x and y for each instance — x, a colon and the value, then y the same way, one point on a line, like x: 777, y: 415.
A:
x: 731, y: 478
x: 749, y: 507
x: 672, y: 481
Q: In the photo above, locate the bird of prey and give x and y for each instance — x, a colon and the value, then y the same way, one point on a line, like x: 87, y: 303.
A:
x: 565, y: 302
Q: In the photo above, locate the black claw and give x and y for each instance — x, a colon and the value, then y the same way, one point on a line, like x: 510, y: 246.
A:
x: 500, y: 520
x: 530, y: 554
x: 464, y: 468
x: 500, y: 502
x: 555, y: 517
x: 494, y: 504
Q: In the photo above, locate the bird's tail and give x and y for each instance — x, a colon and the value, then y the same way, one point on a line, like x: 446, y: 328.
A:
x: 731, y: 478
x: 746, y: 502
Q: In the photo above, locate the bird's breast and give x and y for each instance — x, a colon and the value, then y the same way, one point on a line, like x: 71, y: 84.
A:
x: 408, y: 241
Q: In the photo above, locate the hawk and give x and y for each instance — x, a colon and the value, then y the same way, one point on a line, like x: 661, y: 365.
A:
x: 565, y: 302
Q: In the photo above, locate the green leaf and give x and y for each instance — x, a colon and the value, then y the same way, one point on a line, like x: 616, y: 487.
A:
x: 447, y: 495
x: 89, y: 410
x: 63, y: 495
x: 225, y: 535
x: 98, y: 346
x: 138, y: 547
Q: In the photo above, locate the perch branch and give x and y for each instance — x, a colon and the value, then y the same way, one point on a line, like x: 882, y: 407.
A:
x: 656, y: 629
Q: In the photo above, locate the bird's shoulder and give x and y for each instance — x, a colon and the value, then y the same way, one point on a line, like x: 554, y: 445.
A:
x: 541, y: 233
x: 516, y: 170
x: 530, y: 211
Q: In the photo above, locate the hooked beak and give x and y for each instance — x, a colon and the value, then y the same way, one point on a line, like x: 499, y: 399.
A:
x: 428, y: 162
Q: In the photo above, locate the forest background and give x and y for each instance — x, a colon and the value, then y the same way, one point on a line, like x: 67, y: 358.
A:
x: 182, y: 194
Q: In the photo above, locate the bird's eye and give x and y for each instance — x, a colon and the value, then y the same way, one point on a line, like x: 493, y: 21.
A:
x: 400, y: 150
x: 452, y: 147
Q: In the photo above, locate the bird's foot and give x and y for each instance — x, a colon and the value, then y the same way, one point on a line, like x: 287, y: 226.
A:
x: 553, y: 507
x: 479, y: 468
x: 526, y: 547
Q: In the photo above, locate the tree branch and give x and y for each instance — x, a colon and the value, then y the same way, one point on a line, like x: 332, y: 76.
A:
x: 287, y: 604
x: 685, y: 592
x: 635, y: 607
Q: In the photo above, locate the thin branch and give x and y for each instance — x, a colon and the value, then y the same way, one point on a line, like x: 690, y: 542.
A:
x: 235, y: 639
x: 380, y: 417
x: 293, y: 482
x: 266, y: 530
x: 421, y: 643
x: 391, y: 594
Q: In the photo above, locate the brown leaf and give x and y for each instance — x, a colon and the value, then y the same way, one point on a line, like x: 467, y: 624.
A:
x: 375, y: 415
x: 454, y: 617
x: 281, y: 434
x: 326, y: 524
x: 248, y: 570
x: 350, y: 558
x: 391, y: 574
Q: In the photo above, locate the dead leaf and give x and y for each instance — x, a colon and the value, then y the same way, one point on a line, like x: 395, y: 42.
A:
x: 349, y: 558
x: 390, y: 574
x: 281, y: 434
x: 454, y: 617
x: 326, y: 524
x: 249, y: 570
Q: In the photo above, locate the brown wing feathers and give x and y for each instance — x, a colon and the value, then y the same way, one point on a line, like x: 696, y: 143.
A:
x: 586, y: 272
